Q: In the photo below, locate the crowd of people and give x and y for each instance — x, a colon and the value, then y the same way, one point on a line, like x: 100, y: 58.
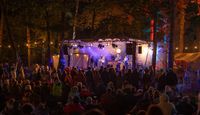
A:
x: 41, y: 90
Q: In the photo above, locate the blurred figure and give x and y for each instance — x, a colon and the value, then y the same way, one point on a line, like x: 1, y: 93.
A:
x: 155, y: 110
x: 167, y: 107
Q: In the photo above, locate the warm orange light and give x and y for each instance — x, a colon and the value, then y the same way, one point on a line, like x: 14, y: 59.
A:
x: 9, y: 46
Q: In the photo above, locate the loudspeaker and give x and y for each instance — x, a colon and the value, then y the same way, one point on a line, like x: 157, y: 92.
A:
x: 140, y: 50
x: 129, y: 49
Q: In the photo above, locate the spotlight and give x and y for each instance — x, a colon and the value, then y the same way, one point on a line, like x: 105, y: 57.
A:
x: 118, y: 50
x: 114, y: 46
x: 74, y: 45
x: 80, y: 46
x: 100, y: 46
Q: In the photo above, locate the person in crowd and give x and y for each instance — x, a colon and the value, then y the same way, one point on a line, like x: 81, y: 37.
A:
x: 74, y: 107
x: 167, y: 107
x: 154, y: 110
x: 90, y: 79
x: 44, y: 91
x: 185, y: 107
x: 94, y: 112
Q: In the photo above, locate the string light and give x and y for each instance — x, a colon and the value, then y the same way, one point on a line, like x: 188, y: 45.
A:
x: 51, y: 43
x: 195, y: 47
x: 176, y: 48
x: 186, y: 48
x: 35, y: 43
x: 9, y: 46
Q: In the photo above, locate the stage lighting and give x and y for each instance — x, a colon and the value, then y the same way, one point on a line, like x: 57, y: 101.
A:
x: 118, y: 50
x: 100, y: 46
x: 80, y: 46
x: 114, y: 46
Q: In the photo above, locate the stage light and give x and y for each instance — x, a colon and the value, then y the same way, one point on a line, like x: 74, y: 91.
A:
x: 100, y: 46
x: 80, y: 46
x: 145, y: 50
x: 118, y: 50
x: 114, y: 46
x: 74, y: 45
x: 108, y: 44
x: 77, y: 55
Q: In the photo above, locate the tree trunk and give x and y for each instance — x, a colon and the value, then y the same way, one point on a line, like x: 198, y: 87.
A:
x: 170, y: 46
x: 7, y: 25
x: 182, y: 25
x: 75, y: 19
x: 28, y: 37
x: 48, y: 38
x: 1, y: 31
x: 154, y: 43
x: 1, y: 26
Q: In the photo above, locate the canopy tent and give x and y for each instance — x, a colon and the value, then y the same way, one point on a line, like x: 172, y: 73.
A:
x: 191, y: 60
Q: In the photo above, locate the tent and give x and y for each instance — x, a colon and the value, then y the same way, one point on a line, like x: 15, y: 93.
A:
x: 186, y: 60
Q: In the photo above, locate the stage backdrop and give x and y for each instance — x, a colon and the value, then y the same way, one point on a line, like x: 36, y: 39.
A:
x: 79, y: 60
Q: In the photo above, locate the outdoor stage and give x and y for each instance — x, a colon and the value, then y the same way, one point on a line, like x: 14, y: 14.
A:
x: 119, y: 53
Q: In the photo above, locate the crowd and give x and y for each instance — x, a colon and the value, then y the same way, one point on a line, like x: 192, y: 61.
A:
x: 40, y: 90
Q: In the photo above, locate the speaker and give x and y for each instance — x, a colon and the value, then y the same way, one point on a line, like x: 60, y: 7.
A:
x: 140, y: 50
x: 129, y: 49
